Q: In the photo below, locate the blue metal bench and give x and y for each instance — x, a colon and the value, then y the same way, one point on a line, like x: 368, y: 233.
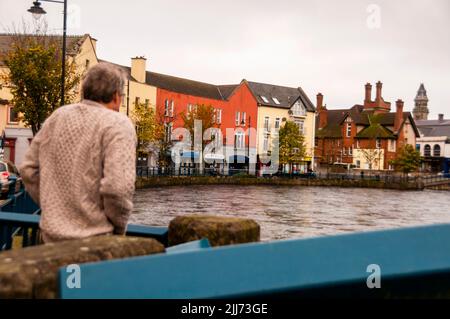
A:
x: 11, y: 223
x: 274, y: 268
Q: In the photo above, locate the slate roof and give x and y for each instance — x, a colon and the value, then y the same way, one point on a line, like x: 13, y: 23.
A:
x: 376, y: 125
x: 73, y: 42
x: 286, y: 96
x: 434, y: 128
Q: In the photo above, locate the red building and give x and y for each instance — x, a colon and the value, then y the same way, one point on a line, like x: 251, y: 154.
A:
x: 365, y: 136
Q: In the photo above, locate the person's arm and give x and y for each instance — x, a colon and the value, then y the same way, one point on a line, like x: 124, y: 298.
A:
x: 119, y: 174
x: 29, y: 169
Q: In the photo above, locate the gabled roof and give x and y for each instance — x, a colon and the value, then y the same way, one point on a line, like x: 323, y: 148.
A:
x: 184, y: 86
x: 375, y: 125
x: 375, y: 130
x: 286, y: 96
x: 73, y: 42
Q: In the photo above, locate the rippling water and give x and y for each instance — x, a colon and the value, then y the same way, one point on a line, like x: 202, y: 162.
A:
x: 291, y: 212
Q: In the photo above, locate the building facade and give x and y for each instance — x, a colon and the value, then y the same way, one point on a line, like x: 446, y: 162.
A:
x: 365, y: 136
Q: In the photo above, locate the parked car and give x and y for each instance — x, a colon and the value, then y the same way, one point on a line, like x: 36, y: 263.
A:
x: 9, y: 171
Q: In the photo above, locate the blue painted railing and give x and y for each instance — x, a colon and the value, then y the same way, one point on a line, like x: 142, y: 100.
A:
x: 19, y: 217
x: 409, y: 262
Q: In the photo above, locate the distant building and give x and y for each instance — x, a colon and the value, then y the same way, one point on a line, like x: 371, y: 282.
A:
x: 434, y: 144
x: 421, y: 111
x: 365, y: 136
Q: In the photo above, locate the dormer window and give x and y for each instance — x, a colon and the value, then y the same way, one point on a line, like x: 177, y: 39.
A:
x: 264, y: 99
x: 298, y: 109
x: 276, y: 101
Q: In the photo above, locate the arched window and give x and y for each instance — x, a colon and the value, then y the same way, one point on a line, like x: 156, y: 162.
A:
x: 437, y: 150
x: 427, y: 150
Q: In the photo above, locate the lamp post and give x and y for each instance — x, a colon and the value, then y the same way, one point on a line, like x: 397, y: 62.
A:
x: 249, y: 136
x: 37, y: 12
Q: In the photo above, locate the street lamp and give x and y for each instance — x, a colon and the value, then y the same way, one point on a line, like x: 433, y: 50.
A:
x: 249, y: 131
x: 37, y: 12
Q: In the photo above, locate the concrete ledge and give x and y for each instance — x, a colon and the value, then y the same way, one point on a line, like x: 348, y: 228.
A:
x: 33, y: 272
x: 220, y: 231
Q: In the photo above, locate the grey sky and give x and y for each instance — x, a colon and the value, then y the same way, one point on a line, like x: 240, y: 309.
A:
x: 324, y: 46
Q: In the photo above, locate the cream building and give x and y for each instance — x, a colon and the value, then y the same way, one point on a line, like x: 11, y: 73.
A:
x: 278, y: 104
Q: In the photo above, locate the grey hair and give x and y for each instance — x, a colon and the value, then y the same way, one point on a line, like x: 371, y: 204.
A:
x: 102, y: 82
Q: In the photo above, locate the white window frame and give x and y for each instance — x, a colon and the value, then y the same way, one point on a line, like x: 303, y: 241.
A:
x: 244, y: 119
x: 349, y: 129
x: 219, y: 116
x: 239, y: 140
x: 238, y: 118
x: 266, y: 143
x: 172, y: 108
x: 264, y: 99
x: 266, y: 124
x: 378, y: 143
x: 166, y: 107
x: 277, y: 123
x: 277, y: 102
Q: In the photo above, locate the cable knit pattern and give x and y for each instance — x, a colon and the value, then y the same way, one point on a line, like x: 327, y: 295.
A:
x: 81, y: 170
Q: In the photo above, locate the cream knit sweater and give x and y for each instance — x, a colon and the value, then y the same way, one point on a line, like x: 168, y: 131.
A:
x: 80, y: 169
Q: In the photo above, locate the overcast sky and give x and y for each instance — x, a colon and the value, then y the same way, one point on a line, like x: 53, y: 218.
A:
x: 327, y: 46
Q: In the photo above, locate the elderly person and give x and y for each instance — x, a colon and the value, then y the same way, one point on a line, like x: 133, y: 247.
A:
x: 80, y: 167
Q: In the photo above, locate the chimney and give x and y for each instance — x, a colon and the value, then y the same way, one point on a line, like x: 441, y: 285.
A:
x: 398, y: 115
x: 441, y: 117
x: 379, y: 91
x: 368, y: 98
x: 138, y: 68
x: 323, y: 112
x: 319, y: 101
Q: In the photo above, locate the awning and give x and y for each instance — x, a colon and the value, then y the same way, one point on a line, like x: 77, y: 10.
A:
x: 190, y: 155
x: 238, y: 159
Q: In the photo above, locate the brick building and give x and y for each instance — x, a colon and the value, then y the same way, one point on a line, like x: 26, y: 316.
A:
x: 366, y: 136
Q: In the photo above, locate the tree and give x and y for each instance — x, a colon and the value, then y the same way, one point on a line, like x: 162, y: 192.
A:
x: 149, y: 130
x: 35, y: 66
x: 408, y: 159
x: 372, y: 157
x: 291, y: 144
x: 204, y: 113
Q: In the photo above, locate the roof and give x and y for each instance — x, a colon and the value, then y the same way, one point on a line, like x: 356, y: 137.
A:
x: 126, y: 69
x: 73, y: 42
x: 184, y: 86
x: 434, y: 128
x: 376, y: 126
x: 286, y: 96
x: 375, y: 130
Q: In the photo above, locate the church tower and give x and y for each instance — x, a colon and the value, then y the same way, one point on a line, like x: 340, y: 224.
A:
x: 421, y: 109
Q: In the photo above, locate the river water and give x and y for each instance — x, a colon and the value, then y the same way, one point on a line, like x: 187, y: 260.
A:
x: 293, y: 212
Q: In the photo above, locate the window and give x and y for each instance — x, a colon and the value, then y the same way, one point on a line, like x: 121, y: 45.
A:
x: 137, y: 101
x: 378, y: 143
x: 172, y: 108
x: 349, y: 129
x: 239, y: 142
x: 266, y: 143
x: 166, y: 107
x: 147, y: 102
x: 357, y: 143
x: 427, y: 150
x: 437, y: 150
x: 277, y: 123
x: 168, y: 131
x: 219, y: 116
x: 418, y: 147
x: 266, y: 124
x: 264, y: 99
x: 276, y: 101
x: 392, y: 145
x: 244, y: 118
x: 350, y: 151
x: 358, y: 164
x: 13, y: 115
x: 344, y: 152
x: 298, y: 109
x: 301, y: 126
x: 238, y: 118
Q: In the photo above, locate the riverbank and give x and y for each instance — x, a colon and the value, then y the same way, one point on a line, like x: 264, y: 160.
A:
x: 166, y: 181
